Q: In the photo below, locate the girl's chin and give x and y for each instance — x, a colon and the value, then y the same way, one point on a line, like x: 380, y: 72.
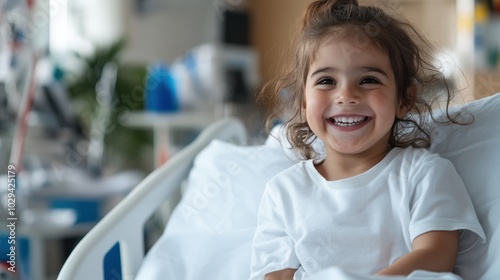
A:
x: 351, y: 147
x: 346, y: 148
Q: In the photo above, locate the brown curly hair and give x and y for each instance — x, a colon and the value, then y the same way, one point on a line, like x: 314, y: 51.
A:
x: 419, y: 83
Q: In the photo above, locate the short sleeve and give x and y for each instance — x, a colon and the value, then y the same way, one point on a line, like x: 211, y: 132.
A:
x: 441, y: 202
x: 273, y: 249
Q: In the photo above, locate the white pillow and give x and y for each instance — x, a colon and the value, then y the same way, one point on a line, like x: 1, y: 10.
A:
x: 475, y: 152
x: 210, y: 232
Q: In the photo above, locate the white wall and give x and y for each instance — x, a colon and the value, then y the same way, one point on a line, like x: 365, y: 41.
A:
x: 165, y: 31
x: 103, y: 20
x: 169, y: 31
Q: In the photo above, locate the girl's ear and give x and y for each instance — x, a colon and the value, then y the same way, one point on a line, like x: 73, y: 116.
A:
x: 405, y: 104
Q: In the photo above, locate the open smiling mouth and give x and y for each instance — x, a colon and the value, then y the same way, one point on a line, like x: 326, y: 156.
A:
x: 344, y: 121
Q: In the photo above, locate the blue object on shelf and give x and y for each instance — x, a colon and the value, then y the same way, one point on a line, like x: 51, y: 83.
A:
x: 161, y: 94
x: 86, y: 210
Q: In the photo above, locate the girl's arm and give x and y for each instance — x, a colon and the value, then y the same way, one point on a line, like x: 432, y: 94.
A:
x: 285, y: 274
x: 432, y: 251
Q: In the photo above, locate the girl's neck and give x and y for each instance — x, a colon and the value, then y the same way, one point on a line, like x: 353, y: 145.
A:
x: 339, y: 166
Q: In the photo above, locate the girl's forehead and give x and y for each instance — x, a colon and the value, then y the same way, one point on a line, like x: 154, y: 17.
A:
x: 346, y: 46
x: 347, y: 36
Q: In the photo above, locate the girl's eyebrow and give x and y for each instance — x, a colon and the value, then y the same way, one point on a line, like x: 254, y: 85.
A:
x: 364, y: 68
x: 375, y: 69
x: 322, y: 70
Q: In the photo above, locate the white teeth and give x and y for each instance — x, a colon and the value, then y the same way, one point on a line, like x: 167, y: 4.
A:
x: 348, y: 121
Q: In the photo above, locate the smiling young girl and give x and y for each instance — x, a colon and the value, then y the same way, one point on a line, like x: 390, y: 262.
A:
x: 376, y: 201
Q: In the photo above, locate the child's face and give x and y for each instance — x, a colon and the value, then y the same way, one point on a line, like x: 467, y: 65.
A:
x: 350, y: 98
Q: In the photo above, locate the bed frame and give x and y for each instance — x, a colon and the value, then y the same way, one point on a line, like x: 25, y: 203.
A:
x: 114, y: 248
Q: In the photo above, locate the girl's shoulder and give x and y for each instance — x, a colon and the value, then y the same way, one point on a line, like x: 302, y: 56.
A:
x: 417, y: 155
x: 297, y: 174
x: 298, y: 169
x: 420, y: 160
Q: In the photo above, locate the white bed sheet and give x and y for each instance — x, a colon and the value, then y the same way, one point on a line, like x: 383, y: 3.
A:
x: 336, y: 273
x: 209, y: 235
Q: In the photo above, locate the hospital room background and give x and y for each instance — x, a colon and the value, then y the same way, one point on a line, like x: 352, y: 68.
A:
x: 94, y: 95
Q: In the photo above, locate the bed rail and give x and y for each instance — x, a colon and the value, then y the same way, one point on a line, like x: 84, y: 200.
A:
x: 114, y: 248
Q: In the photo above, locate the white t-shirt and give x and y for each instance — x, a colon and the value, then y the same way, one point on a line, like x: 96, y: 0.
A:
x: 363, y: 223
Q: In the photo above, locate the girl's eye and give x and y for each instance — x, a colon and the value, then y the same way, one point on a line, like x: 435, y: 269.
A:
x: 326, y: 81
x: 369, y: 81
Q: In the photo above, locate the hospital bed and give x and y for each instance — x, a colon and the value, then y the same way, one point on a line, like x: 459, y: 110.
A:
x: 209, y: 233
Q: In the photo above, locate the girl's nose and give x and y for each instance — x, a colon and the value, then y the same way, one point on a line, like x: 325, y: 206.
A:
x: 347, y: 96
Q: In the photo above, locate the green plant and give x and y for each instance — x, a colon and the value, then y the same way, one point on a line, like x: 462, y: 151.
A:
x: 123, y: 145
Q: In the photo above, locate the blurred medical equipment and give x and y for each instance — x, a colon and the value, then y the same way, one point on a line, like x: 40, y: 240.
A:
x: 61, y: 189
x: 207, y: 77
x: 207, y: 83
